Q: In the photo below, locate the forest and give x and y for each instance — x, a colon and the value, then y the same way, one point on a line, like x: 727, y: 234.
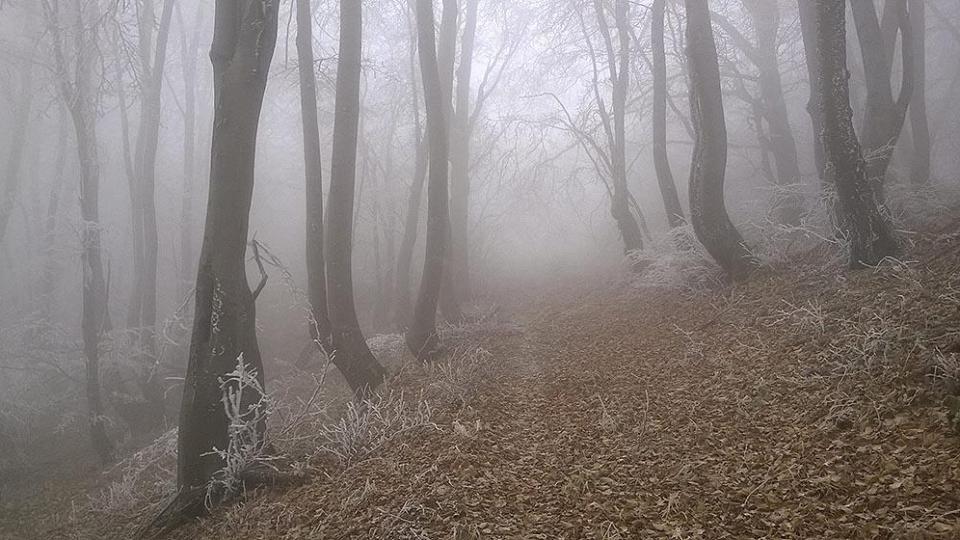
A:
x: 479, y: 269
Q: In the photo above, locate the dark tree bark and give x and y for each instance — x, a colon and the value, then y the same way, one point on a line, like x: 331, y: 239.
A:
x: 661, y: 161
x: 808, y: 31
x: 884, y: 115
x: 862, y: 219
x: 351, y: 354
x: 316, y: 270
x: 77, y: 89
x: 224, y: 328
x: 919, y: 127
x: 708, y: 211
x: 422, y: 336
x: 460, y: 160
x: 403, y: 313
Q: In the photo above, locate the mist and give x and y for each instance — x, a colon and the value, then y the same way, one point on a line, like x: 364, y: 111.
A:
x: 251, y: 248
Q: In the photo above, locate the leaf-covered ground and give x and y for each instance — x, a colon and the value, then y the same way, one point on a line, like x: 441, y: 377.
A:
x: 798, y: 405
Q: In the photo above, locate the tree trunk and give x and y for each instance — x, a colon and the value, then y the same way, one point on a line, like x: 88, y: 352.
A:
x: 661, y: 161
x: 920, y: 159
x: 51, y: 267
x: 351, y: 354
x: 13, y: 171
x: 788, y: 205
x: 708, y: 211
x: 460, y: 161
x: 190, y: 48
x: 862, y: 219
x: 224, y: 328
x: 316, y: 270
x: 422, y: 336
x: 883, y: 116
x: 808, y: 31
x: 446, y: 59
x: 403, y: 313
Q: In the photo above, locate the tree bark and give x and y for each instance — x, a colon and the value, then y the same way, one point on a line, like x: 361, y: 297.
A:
x: 422, y: 336
x: 661, y: 160
x: 862, y: 219
x: 224, y: 328
x: 808, y: 31
x: 316, y: 271
x: 351, y: 354
x: 403, y: 313
x: 883, y: 116
x: 919, y: 126
x: 460, y: 160
x: 708, y: 212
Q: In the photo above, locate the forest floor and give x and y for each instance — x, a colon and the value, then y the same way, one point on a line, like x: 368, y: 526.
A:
x: 796, y: 405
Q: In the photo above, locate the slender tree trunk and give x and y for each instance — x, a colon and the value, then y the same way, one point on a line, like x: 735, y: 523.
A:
x: 403, y: 313
x: 224, y: 328
x: 316, y: 270
x: 446, y: 59
x: 460, y: 160
x: 808, y: 31
x: 422, y: 336
x: 13, y: 171
x: 351, y: 354
x: 862, y: 219
x: 661, y: 161
x: 920, y: 159
x: 708, y: 212
x: 190, y: 47
x: 51, y: 268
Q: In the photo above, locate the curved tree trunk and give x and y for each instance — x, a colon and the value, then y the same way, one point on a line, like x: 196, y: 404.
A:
x: 316, y: 272
x: 708, y: 212
x: 861, y: 217
x: 224, y: 328
x: 351, y: 354
x: 661, y: 161
x: 422, y: 336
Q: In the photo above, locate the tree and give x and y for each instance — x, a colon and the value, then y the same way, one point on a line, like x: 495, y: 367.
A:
x: 808, y: 31
x: 316, y: 271
x: 351, y: 354
x: 661, y: 161
x: 862, y: 217
x: 12, y: 179
x: 919, y: 127
x: 189, y: 49
x: 884, y: 116
x: 708, y: 213
x: 422, y: 336
x: 403, y: 313
x: 765, y: 16
x: 224, y: 327
x: 75, y: 67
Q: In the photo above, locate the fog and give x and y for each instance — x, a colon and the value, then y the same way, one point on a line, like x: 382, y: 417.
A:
x: 544, y: 210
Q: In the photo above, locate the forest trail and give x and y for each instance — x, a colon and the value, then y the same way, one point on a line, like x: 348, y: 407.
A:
x: 789, y: 407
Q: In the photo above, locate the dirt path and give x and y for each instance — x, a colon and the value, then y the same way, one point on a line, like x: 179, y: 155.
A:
x: 733, y: 414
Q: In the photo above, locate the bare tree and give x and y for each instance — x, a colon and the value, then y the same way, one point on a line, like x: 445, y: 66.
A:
x: 762, y: 53
x: 884, y: 115
x: 12, y: 179
x: 75, y: 66
x: 661, y: 161
x: 708, y: 212
x: 224, y: 328
x: 316, y: 271
x: 422, y: 336
x: 919, y: 127
x: 351, y: 354
x: 189, y: 49
x: 808, y: 31
x: 862, y: 218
